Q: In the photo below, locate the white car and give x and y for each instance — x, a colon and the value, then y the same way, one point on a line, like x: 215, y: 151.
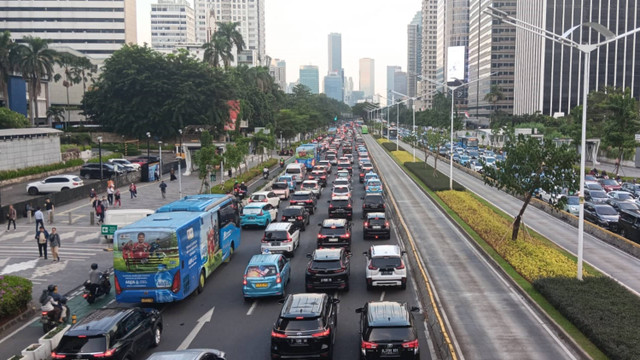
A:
x: 343, y: 174
x: 385, y: 267
x: 312, y: 186
x: 125, y: 164
x: 54, y: 183
x: 280, y: 238
x: 342, y: 182
x: 340, y: 191
x: 265, y: 196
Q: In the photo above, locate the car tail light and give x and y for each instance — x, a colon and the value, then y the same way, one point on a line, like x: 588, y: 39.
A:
x: 175, y: 287
x: 366, y: 224
x: 57, y: 356
x: 386, y: 223
x: 288, y: 238
x: 410, y: 344
x: 330, y: 206
x: 250, y: 200
x: 371, y: 267
x: 384, y: 206
x: 44, y: 313
x: 401, y: 265
x: 284, y: 218
x: 299, y: 218
x: 349, y: 205
x: 368, y: 345
x: 75, y: 183
x: 278, y: 335
x: 278, y: 279
x: 320, y: 236
x: 117, y: 285
x: 265, y: 200
x: 107, y: 353
x: 244, y: 280
x: 345, y: 236
x: 322, y: 333
x: 261, y: 213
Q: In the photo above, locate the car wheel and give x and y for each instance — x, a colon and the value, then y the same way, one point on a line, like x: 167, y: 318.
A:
x: 403, y: 286
x: 623, y: 233
x: 231, y: 250
x: 33, y: 190
x: 304, y: 227
x: 369, y: 287
x: 346, y: 288
x: 201, y: 281
x: 157, y: 336
x: 64, y: 189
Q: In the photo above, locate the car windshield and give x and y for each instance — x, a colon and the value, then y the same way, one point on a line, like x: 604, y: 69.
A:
x: 386, y: 262
x: 260, y: 271
x: 326, y: 264
x: 624, y: 196
x: 332, y: 231
x: 594, y: 186
x: 251, y: 211
x: 610, y: 182
x: 606, y: 210
x: 85, y: 344
x: 390, y: 334
x: 300, y: 197
x: 599, y: 194
x: 573, y: 200
x: 279, y: 186
x: 628, y: 206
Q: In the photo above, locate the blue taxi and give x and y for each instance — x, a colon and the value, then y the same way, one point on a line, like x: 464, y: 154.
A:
x: 289, y: 180
x: 373, y: 186
x: 370, y: 175
x: 258, y: 214
x: 266, y: 275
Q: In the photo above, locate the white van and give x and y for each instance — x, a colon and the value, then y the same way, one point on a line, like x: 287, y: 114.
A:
x: 296, y: 171
x: 122, y: 218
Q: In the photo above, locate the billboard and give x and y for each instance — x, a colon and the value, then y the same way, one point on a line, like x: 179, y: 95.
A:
x: 234, y: 112
x: 455, y: 63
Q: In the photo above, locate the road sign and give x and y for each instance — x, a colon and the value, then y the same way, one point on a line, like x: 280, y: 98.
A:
x: 108, y: 229
x: 213, y: 177
x: 638, y: 137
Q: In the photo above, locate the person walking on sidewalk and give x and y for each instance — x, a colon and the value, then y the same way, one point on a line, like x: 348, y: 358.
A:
x: 93, y: 197
x: 41, y: 239
x: 12, y: 215
x: 133, y: 190
x: 110, y: 195
x: 100, y: 209
x: 117, y: 196
x: 163, y: 189
x: 54, y: 242
x: 39, y: 216
x: 48, y: 205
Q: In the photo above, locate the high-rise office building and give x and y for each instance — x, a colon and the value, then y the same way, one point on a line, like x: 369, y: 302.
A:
x: 172, y: 23
x: 278, y: 71
x: 95, y: 28
x: 491, y: 50
x: 400, y: 84
x: 333, y: 86
x: 310, y: 77
x: 429, y: 48
x: 335, y: 53
x: 348, y: 91
x: 391, y: 81
x: 367, y: 77
x: 548, y: 76
x: 250, y: 15
x: 414, y: 54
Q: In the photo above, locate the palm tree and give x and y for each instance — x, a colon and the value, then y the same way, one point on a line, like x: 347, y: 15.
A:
x: 55, y: 113
x: 7, y: 63
x: 66, y: 62
x: 229, y: 32
x: 36, y: 63
x: 493, y: 96
x: 215, y: 50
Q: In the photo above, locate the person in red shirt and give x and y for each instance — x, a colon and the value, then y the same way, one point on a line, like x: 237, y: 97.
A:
x: 141, y: 249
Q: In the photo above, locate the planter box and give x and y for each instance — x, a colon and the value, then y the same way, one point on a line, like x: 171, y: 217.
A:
x: 38, y: 353
x: 51, y: 343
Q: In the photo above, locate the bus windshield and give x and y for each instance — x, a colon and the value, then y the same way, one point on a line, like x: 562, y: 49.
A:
x: 145, y: 252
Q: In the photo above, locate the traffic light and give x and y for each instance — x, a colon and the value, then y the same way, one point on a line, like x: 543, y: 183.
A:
x: 335, y: 118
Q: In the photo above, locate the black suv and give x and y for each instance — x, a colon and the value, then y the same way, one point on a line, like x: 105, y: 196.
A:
x: 92, y: 171
x: 328, y: 269
x: 304, y: 198
x: 340, y: 207
x: 114, y: 333
x: 372, y: 203
x: 297, y: 215
x: 387, y: 331
x: 335, y: 233
x: 306, y: 327
x: 602, y: 215
x: 629, y: 225
x: 376, y: 225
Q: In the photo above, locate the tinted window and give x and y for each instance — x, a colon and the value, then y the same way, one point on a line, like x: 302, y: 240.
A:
x: 300, y: 325
x: 326, y: 265
x: 293, y: 171
x: 330, y: 231
x: 606, y: 210
x: 275, y: 235
x: 573, y: 200
x: 386, y: 262
x: 598, y: 194
x: 340, y: 203
x: 624, y: 196
x: 390, y: 334
x: 374, y: 199
x: 227, y: 214
x: 73, y: 344
x: 260, y: 271
x: 279, y: 186
x: 300, y: 197
x: 291, y: 212
x: 628, y: 206
x: 377, y: 221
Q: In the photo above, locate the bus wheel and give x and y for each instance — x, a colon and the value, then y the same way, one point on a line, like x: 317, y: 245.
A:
x: 230, y: 253
x: 201, y: 281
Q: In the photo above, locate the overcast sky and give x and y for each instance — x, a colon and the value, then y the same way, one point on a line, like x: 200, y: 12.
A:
x: 297, y: 31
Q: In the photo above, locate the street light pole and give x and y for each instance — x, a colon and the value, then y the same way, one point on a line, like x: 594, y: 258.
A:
x: 100, y: 155
x: 397, y: 125
x: 159, y: 160
x: 148, y: 139
x: 413, y: 129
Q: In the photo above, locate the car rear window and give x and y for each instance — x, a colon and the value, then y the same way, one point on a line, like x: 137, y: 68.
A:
x: 332, y: 231
x: 251, y: 211
x: 275, y: 235
x: 76, y: 179
x: 326, y: 265
x: 279, y: 186
x: 390, y: 334
x: 341, y: 190
x: 374, y: 199
x: 260, y: 271
x: 300, y: 324
x: 377, y: 221
x: 386, y: 262
x: 300, y: 197
x: 88, y: 344
x: 293, y: 171
x: 308, y: 186
x: 340, y: 203
x: 257, y: 197
x: 291, y: 212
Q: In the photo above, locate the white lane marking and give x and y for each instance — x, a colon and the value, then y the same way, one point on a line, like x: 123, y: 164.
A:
x: 19, y: 266
x: 3, y: 261
x: 19, y: 329
x: 196, y: 329
x: 382, y: 296
x: 253, y: 307
x: 86, y: 237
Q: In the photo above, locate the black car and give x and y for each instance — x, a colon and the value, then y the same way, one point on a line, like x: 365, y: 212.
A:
x: 341, y: 207
x: 387, y: 331
x: 328, y: 269
x: 619, y: 205
x: 112, y: 333
x: 602, y: 215
x: 92, y: 171
x: 304, y: 198
x: 631, y: 188
x: 335, y: 233
x: 306, y: 327
x: 297, y: 215
x: 629, y: 225
x: 320, y: 176
x: 372, y: 203
x: 376, y: 226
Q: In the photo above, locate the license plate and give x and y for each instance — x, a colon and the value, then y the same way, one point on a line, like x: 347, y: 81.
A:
x: 377, y: 227
x: 251, y: 217
x: 333, y: 240
x: 261, y: 285
x: 291, y: 220
x: 275, y: 243
x: 326, y: 280
x: 393, y: 351
x: 299, y: 342
x: 386, y: 272
x: 146, y: 300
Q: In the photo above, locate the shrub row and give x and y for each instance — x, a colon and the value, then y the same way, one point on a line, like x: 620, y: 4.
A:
x: 529, y: 257
x: 381, y: 140
x: 403, y: 156
x: 12, y: 174
x: 15, y: 294
x: 606, y: 312
x: 246, y: 176
x: 434, y: 180
x: 392, y: 146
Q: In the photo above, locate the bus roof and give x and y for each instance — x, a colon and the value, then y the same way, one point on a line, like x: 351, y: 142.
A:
x: 196, y: 203
x: 168, y: 220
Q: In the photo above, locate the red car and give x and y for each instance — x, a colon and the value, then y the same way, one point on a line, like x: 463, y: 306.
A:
x: 609, y: 184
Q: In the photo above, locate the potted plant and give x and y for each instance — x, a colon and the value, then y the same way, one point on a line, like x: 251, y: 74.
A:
x: 35, y: 352
x: 51, y: 339
x: 15, y: 357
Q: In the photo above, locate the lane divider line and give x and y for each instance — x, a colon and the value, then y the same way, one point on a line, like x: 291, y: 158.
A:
x: 252, y: 308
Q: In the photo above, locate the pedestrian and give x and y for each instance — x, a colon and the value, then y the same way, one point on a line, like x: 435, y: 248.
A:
x: 105, y: 203
x: 157, y: 175
x: 172, y: 174
x: 93, y: 196
x: 117, y: 196
x: 48, y: 205
x: 133, y: 190
x: 110, y: 195
x: 100, y: 209
x: 54, y: 242
x: 163, y: 189
x: 39, y: 216
x: 111, y: 184
x: 12, y: 215
x: 41, y: 239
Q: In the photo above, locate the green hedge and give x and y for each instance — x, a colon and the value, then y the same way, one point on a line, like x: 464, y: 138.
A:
x: 606, y: 312
x: 426, y: 174
x: 391, y: 146
x: 15, y: 294
x: 105, y: 158
x: 246, y: 176
x: 12, y: 174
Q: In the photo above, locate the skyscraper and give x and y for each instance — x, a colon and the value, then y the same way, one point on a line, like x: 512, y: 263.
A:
x: 112, y: 23
x: 400, y: 84
x: 278, y: 71
x: 335, y: 53
x: 548, y: 76
x: 310, y: 77
x: 491, y: 49
x: 391, y: 81
x: 414, y: 54
x: 172, y: 23
x: 367, y: 77
x: 333, y: 86
x: 429, y: 47
x: 250, y: 15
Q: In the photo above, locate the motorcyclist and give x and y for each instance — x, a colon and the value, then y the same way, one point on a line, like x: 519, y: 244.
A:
x: 281, y: 162
x: 52, y: 304
x: 265, y: 172
x: 243, y: 188
x: 94, y: 278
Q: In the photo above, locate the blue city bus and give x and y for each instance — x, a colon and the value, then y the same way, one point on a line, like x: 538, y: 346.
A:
x: 468, y: 142
x: 308, y: 154
x: 393, y: 133
x: 168, y: 255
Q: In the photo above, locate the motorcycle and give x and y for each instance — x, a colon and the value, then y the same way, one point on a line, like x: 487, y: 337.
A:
x: 49, y: 322
x: 239, y: 194
x: 103, y: 288
x: 281, y: 164
x: 265, y: 175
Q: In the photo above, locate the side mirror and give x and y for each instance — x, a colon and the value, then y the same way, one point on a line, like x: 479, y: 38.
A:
x: 308, y: 255
x: 335, y: 301
x: 319, y: 224
x: 359, y: 310
x: 403, y: 252
x: 365, y: 253
x: 415, y: 308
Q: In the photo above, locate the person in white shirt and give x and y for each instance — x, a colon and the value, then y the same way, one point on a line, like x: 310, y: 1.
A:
x: 110, y: 191
x: 39, y: 216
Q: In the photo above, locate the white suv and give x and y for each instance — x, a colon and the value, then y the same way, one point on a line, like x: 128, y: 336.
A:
x: 280, y: 237
x: 385, y: 267
x: 55, y: 183
x: 266, y: 196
